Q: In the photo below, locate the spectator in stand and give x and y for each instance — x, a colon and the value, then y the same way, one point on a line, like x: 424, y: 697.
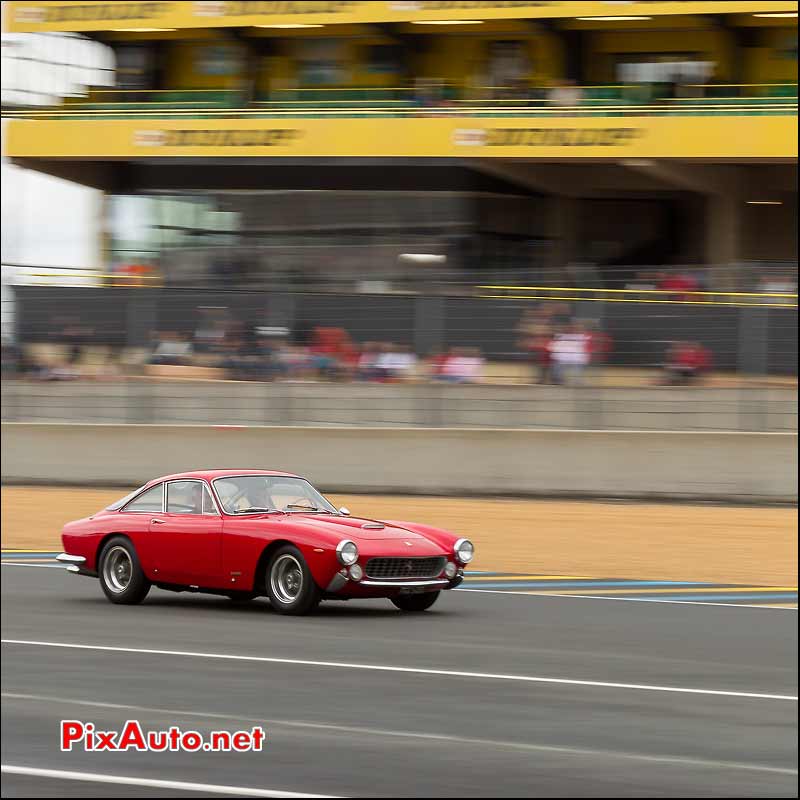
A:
x: 536, y: 332
x: 397, y: 363
x: 565, y: 94
x: 296, y: 361
x: 237, y: 357
x: 780, y: 285
x: 330, y: 349
x: 570, y: 352
x: 643, y: 282
x: 600, y: 343
x: 137, y: 274
x: 429, y: 92
x: 434, y: 364
x: 686, y: 363
x: 74, y: 337
x: 541, y: 349
x: 172, y: 349
x: 367, y: 367
x: 209, y: 335
x: 407, y: 362
x: 679, y: 284
x: 463, y: 365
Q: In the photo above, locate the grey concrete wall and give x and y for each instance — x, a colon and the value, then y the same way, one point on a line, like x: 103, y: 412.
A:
x: 401, y: 405
x: 759, y: 467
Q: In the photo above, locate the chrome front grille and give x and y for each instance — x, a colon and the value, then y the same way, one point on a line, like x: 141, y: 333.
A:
x: 400, y: 568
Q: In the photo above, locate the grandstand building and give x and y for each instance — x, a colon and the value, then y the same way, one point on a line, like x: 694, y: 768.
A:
x: 382, y: 141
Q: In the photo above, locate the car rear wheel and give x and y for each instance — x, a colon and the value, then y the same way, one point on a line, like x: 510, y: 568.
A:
x: 120, y: 573
x: 415, y: 602
x: 290, y: 586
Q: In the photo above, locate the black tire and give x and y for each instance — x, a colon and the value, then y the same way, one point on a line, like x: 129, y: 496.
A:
x: 415, y: 602
x: 240, y: 597
x: 290, y: 585
x: 120, y: 572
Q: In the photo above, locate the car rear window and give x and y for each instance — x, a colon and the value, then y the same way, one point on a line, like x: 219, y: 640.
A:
x: 116, y: 506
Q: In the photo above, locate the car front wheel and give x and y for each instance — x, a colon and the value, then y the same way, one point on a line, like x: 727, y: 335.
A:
x: 120, y: 573
x: 415, y: 602
x: 290, y: 585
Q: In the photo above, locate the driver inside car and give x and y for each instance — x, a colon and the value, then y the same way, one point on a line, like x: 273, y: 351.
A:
x: 196, y: 499
x: 258, y: 497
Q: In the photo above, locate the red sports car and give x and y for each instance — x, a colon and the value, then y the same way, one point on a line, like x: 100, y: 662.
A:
x: 245, y: 533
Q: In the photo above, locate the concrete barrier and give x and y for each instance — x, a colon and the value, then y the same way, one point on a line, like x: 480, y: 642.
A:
x: 746, y: 467
x: 190, y: 402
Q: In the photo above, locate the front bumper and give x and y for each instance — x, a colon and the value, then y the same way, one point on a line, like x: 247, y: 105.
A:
x: 368, y: 587
x: 75, y: 564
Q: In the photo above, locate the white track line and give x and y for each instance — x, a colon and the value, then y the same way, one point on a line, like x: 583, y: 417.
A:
x: 203, y: 788
x: 497, y: 676
x: 435, y: 737
x: 626, y: 599
x: 21, y: 564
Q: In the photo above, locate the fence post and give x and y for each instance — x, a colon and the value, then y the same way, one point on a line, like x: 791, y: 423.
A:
x: 428, y: 338
x: 752, y: 361
x: 141, y: 312
x: 281, y: 312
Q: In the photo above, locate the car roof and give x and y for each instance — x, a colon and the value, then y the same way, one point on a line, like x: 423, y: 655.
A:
x: 211, y: 474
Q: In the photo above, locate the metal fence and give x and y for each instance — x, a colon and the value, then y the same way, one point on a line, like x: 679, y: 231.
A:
x: 489, y: 357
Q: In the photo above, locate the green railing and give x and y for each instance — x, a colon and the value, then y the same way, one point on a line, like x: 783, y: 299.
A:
x: 611, y: 100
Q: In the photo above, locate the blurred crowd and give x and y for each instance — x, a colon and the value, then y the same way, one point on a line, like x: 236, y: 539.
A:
x: 677, y: 285
x: 562, y: 350
x: 559, y: 348
x: 685, y: 285
x: 564, y: 93
x: 556, y: 347
x: 319, y: 353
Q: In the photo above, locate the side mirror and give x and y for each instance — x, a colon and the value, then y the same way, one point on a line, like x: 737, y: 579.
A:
x: 344, y: 511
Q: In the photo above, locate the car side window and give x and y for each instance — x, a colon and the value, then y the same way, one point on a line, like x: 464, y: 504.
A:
x: 150, y: 501
x: 208, y: 503
x: 184, y: 497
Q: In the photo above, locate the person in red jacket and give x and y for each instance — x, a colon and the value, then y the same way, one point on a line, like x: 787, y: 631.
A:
x: 679, y: 283
x: 686, y: 362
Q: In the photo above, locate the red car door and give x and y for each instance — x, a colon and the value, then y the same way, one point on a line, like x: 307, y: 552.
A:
x: 188, y: 536
x: 134, y: 521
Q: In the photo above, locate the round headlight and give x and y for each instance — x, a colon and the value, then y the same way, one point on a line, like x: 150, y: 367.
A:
x: 450, y: 570
x: 356, y: 573
x: 464, y: 550
x: 347, y: 552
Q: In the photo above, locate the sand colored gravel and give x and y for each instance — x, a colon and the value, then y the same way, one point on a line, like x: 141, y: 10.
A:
x: 630, y: 540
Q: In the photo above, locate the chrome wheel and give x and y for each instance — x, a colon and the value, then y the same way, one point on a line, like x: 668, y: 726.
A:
x: 286, y: 578
x: 117, y: 569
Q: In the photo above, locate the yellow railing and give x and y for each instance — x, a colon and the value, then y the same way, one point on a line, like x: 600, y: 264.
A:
x: 70, y: 277
x: 567, y: 294
x: 453, y: 111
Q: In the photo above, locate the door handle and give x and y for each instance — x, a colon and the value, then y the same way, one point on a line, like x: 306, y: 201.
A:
x: 157, y: 521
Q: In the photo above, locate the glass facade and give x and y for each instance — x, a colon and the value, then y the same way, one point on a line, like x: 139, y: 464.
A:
x: 304, y: 237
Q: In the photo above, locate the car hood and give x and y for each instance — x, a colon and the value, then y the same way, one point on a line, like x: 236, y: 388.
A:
x: 355, y: 528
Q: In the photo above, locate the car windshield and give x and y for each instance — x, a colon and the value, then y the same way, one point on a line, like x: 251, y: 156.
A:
x: 250, y: 494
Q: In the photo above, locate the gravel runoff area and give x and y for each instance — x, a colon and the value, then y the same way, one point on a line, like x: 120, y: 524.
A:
x: 734, y: 544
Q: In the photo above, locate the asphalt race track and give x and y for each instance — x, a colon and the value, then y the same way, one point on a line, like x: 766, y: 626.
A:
x: 488, y: 694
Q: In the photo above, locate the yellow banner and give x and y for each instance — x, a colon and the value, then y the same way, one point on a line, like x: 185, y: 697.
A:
x: 62, y: 15
x: 718, y: 137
